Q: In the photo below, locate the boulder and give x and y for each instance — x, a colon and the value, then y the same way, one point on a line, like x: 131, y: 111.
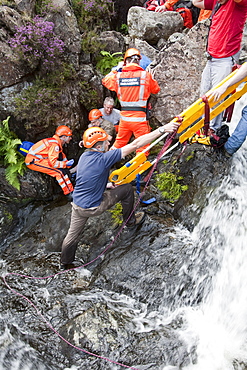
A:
x: 178, y: 70
x: 150, y: 26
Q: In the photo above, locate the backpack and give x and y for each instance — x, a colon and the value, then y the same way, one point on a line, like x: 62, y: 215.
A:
x: 222, y: 135
x: 24, y: 147
x: 216, y: 140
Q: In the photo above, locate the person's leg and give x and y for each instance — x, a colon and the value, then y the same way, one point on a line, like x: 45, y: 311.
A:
x: 206, y: 82
x: 239, y: 135
x: 123, y: 194
x: 140, y: 129
x: 70, y: 242
x: 221, y: 68
x: 62, y: 178
x: 123, y: 136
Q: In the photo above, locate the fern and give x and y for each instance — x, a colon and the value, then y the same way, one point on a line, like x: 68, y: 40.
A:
x: 12, y: 160
x: 107, y: 61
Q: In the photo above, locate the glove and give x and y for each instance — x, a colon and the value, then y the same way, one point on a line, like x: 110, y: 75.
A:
x: 70, y: 163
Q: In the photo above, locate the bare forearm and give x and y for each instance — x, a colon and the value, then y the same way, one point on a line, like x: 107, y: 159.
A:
x: 199, y: 3
x: 148, y: 138
x: 238, y: 76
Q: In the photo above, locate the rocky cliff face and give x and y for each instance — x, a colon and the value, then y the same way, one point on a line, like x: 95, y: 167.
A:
x: 177, y: 55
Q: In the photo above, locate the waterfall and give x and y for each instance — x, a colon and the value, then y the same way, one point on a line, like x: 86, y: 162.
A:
x: 218, y: 325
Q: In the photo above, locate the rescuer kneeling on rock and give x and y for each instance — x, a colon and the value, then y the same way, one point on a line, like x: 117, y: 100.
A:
x: 47, y: 156
x: 90, y: 197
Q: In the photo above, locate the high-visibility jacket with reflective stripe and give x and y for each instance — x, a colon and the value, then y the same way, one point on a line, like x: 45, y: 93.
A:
x: 133, y: 87
x: 49, y: 149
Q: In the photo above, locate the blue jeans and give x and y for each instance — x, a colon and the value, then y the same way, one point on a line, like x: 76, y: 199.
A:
x: 239, y: 135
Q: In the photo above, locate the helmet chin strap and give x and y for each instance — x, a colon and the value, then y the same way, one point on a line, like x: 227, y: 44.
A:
x: 102, y: 150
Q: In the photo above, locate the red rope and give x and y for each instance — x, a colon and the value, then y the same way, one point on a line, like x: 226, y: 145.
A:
x: 206, y: 115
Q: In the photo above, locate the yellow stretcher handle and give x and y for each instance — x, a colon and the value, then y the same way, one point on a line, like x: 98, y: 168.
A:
x: 133, y: 164
x: 196, y: 111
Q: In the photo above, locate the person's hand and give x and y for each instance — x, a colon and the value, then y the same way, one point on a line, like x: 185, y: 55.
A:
x: 160, y: 9
x: 171, y: 126
x: 120, y: 65
x: 216, y: 94
x: 70, y: 163
x: 110, y: 185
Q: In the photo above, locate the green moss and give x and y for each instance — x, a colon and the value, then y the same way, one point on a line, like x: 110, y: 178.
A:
x: 168, y: 184
x: 190, y: 156
x: 8, y: 215
x: 38, y: 102
x: 116, y: 213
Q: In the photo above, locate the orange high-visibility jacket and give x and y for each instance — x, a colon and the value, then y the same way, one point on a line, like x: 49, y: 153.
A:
x: 48, y: 149
x: 133, y: 86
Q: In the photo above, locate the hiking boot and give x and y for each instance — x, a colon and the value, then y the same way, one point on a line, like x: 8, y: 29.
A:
x: 140, y: 217
x: 73, y: 265
x: 226, y: 154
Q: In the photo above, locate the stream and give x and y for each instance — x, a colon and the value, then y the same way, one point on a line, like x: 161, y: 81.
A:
x: 164, y: 299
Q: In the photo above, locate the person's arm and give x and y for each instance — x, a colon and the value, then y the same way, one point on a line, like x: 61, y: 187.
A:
x: 147, y: 138
x: 109, y: 81
x: 199, y: 3
x: 239, y: 75
x: 53, y: 154
x: 160, y: 9
x: 169, y: 4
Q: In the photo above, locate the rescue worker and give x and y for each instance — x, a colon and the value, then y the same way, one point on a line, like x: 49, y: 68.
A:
x: 90, y: 197
x: 47, y: 156
x: 96, y: 119
x: 133, y: 86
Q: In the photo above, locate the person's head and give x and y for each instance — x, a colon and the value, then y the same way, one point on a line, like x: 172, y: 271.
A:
x: 95, y: 138
x: 64, y: 133
x: 95, y: 117
x: 132, y: 55
x: 108, y: 105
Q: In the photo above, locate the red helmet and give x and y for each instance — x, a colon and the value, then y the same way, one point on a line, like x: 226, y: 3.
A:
x: 92, y: 135
x: 63, y: 130
x: 94, y: 114
x: 131, y: 52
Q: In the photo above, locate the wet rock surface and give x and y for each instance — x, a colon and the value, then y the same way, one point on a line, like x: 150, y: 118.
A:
x: 104, y: 306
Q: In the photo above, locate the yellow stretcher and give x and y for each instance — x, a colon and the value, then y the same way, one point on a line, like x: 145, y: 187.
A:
x: 192, y: 120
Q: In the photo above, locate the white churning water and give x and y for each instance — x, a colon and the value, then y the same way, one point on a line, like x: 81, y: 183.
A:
x: 219, y: 324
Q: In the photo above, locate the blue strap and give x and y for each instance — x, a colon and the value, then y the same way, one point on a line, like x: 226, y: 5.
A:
x: 138, y: 190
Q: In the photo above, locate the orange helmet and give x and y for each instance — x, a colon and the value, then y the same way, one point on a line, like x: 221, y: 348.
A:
x: 92, y: 135
x: 131, y: 52
x: 94, y: 114
x: 63, y: 130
